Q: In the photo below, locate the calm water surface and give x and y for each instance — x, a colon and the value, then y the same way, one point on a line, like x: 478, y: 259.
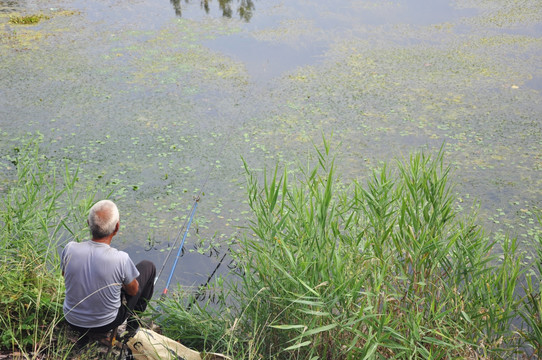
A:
x: 149, y: 98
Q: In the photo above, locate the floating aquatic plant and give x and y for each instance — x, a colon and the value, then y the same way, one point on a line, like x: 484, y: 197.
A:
x: 27, y: 19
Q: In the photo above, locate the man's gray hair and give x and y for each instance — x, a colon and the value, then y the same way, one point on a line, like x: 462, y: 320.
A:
x: 103, y: 219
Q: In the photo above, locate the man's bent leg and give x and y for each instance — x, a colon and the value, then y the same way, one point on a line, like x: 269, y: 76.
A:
x: 138, y: 302
x: 121, y: 316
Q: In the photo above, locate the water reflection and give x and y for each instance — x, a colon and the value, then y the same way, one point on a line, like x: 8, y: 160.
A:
x: 245, y: 8
x: 11, y: 5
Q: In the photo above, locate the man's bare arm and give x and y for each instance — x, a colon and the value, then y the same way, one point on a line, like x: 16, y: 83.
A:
x: 132, y: 288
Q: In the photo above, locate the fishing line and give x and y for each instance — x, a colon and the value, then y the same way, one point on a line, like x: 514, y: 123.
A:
x: 201, y: 288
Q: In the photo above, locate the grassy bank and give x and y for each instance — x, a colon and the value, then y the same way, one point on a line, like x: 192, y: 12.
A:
x: 38, y: 210
x: 383, y: 269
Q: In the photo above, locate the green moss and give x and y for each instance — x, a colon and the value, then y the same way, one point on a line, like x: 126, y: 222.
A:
x: 27, y: 19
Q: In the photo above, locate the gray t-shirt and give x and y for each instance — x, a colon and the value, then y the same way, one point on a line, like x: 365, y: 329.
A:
x: 94, y: 273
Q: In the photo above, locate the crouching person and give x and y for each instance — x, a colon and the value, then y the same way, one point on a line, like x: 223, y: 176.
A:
x: 97, y: 276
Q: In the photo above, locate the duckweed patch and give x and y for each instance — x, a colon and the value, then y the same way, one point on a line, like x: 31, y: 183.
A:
x: 173, y: 58
x: 27, y: 19
x: 28, y: 37
x: 290, y: 32
x: 23, y: 39
x: 503, y: 13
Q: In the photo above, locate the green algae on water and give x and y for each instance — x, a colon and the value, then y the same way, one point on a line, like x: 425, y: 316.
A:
x: 27, y: 19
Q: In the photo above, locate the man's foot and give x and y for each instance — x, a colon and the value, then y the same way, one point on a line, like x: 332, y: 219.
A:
x: 82, y: 341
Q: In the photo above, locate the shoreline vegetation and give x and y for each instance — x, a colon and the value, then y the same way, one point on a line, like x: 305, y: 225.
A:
x: 385, y: 269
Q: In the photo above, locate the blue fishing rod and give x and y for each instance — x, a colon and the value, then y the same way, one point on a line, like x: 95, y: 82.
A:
x: 189, y: 219
x: 194, y: 206
x: 193, y: 211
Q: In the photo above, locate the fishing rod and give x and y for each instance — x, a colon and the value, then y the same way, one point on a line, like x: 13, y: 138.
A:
x: 194, y: 206
x: 187, y: 222
x: 174, y: 244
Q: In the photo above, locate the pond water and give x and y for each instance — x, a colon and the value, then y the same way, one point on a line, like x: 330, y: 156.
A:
x: 151, y: 98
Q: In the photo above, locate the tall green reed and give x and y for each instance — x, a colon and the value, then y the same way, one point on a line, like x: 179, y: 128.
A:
x: 36, y: 208
x: 531, y: 310
x: 381, y: 269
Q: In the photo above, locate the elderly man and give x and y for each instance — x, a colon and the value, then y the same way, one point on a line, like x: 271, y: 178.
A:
x: 96, y: 275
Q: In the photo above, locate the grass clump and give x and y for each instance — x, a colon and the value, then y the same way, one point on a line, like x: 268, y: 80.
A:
x: 27, y: 19
x: 385, y: 269
x: 531, y: 311
x: 33, y: 213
